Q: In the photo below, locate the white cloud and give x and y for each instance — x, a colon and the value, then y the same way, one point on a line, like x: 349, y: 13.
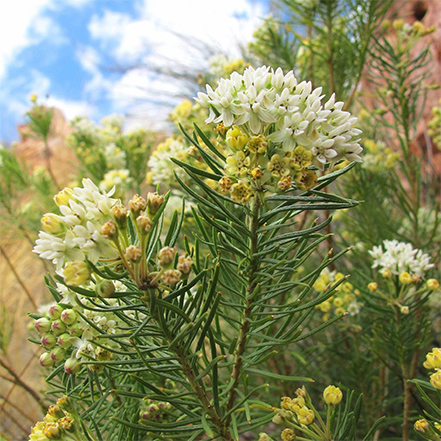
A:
x: 23, y: 23
x: 167, y: 33
x: 71, y: 108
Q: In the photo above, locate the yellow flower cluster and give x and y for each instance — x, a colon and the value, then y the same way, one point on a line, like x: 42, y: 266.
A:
x: 433, y: 361
x: 58, y: 423
x: 423, y: 426
x: 304, y: 414
x: 344, y: 299
x: 250, y: 166
x: 378, y: 157
x: 434, y: 126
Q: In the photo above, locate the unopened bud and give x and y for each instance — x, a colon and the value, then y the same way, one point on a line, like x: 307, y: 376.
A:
x: 105, y: 288
x: 58, y: 354
x: 398, y: 24
x: 405, y: 278
x: 58, y: 327
x: 66, y: 423
x: 109, y: 230
x: 55, y: 311
x: 332, y: 395
x: 76, y: 273
x: 288, y: 435
x: 64, y: 341
x: 46, y: 360
x: 433, y: 359
x: 404, y: 310
x: 120, y: 214
x: 71, y: 366
x: 421, y: 425
x: 55, y: 412
x: 51, y: 431
x: 166, y: 256
x: 52, y: 224
x: 171, y: 277
x: 136, y: 205
x: 184, y: 264
x: 432, y: 284
x: 154, y: 203
x: 48, y: 341
x: 144, y: 223
x: 64, y: 196
x: 68, y: 317
x: 372, y: 286
x: 435, y: 380
x: 305, y: 416
x: 133, y: 253
x: 42, y: 325
x: 264, y: 437
x: 75, y: 330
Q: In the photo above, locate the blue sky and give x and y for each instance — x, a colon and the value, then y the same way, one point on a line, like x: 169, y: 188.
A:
x: 64, y: 48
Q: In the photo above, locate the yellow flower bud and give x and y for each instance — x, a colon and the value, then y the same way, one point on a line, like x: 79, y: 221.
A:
x: 404, y: 310
x: 372, y: 286
x: 386, y: 273
x: 305, y: 416
x: 52, y: 223
x: 64, y: 196
x: 405, y: 278
x: 338, y: 302
x: 154, y: 203
x: 332, y: 395
x: 398, y: 24
x: 133, y: 253
x: 288, y: 435
x: 76, y: 273
x: 435, y: 380
x: 432, y: 284
x: 236, y: 139
x: 33, y: 98
x: 51, y: 431
x: 421, y: 425
x: 433, y: 359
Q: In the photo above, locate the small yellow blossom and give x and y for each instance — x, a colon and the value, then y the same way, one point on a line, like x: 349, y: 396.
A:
x: 238, y: 164
x: 278, y: 166
x: 306, y: 180
x: 432, y: 284
x: 421, y: 425
x: 76, y: 273
x: 435, y: 380
x: 372, y: 286
x: 64, y: 196
x: 241, y: 192
x: 300, y: 158
x: 433, y: 359
x: 236, y: 139
x: 332, y: 395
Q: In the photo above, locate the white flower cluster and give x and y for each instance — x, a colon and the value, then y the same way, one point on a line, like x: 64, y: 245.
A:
x: 118, y: 179
x: 398, y: 257
x: 76, y: 233
x: 262, y: 97
x: 115, y: 157
x: 84, y: 126
x: 161, y: 168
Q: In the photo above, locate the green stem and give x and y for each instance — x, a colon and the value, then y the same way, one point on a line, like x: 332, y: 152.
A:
x: 244, y: 329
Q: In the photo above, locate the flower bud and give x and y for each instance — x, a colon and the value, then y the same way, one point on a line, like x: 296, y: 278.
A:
x: 66, y: 423
x: 285, y: 183
x: 64, y: 196
x: 154, y: 203
x: 435, y: 380
x: 55, y: 311
x: 305, y: 416
x: 286, y: 403
x: 48, y: 341
x: 166, y: 256
x: 432, y: 284
x: 65, y: 403
x: 144, y: 223
x: 133, y: 253
x: 46, y: 360
x: 58, y: 354
x: 372, y: 286
x: 421, y: 425
x: 136, y: 205
x: 120, y: 214
x: 404, y: 310
x: 398, y: 24
x: 256, y: 173
x: 385, y: 25
x: 288, y: 435
x: 433, y: 359
x: 71, y: 366
x: 405, y: 278
x: 109, y: 230
x: 42, y: 325
x: 332, y: 395
x: 68, y: 317
x: 51, y: 431
x: 184, y: 264
x: 52, y: 223
x: 301, y: 392
x: 105, y: 289
x: 55, y: 412
x: 171, y: 277
x: 386, y: 273
x: 236, y: 139
x: 75, y: 330
x: 64, y: 341
x: 58, y: 327
x: 76, y: 273
x: 264, y: 437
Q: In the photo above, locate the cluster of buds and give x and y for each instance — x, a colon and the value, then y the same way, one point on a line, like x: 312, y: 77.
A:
x: 343, y: 301
x: 427, y: 431
x: 299, y: 414
x: 57, y: 330
x: 171, y: 268
x: 156, y: 411
x: 433, y: 361
x: 60, y: 422
x: 254, y: 164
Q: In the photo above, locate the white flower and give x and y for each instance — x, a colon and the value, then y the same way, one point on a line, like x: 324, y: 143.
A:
x: 261, y: 97
x: 115, y: 157
x: 398, y: 257
x: 83, y: 345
